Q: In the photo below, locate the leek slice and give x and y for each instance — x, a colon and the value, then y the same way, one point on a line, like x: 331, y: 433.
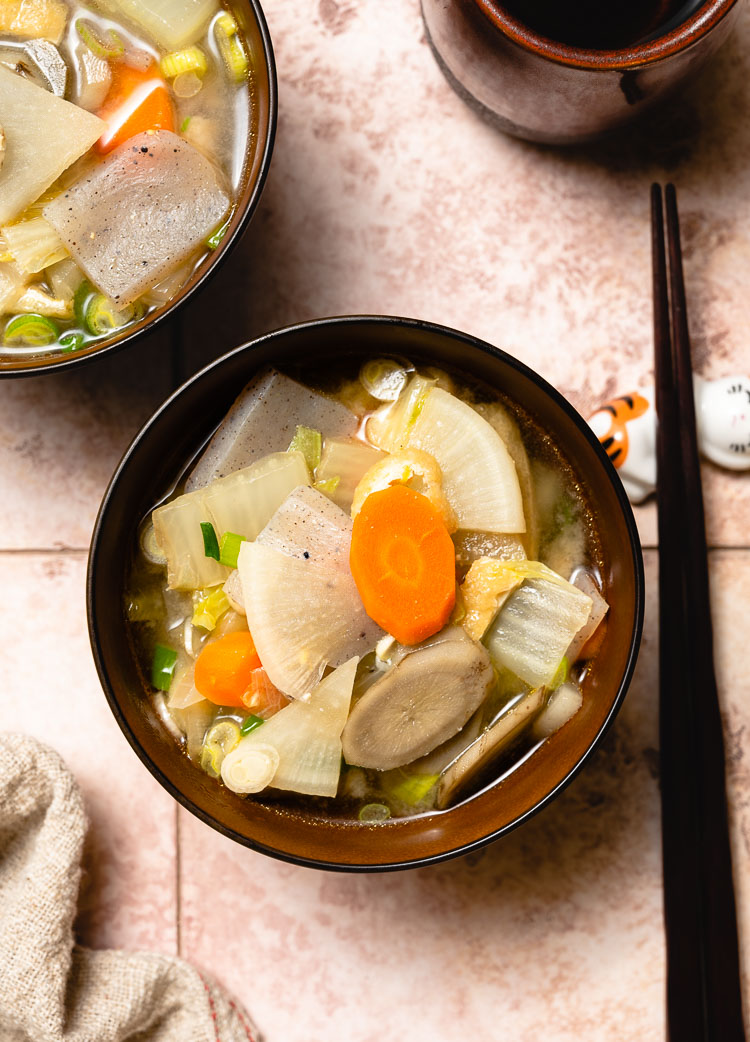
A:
x: 30, y: 331
x: 242, y: 503
x: 190, y: 59
x: 537, y: 622
x: 303, y: 608
x: 306, y: 737
x: 231, y: 47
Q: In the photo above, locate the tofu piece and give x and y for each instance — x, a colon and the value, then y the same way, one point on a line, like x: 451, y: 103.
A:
x: 33, y: 19
x: 43, y: 136
x: 140, y: 213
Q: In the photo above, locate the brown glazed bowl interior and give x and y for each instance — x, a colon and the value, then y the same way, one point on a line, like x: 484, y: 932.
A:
x: 159, y: 455
x: 261, y: 134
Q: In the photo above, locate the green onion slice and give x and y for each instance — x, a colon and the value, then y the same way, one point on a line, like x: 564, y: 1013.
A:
x: 103, y: 317
x: 72, y: 341
x: 310, y: 443
x: 412, y: 789
x: 250, y: 723
x: 220, y: 740
x: 109, y: 48
x: 185, y: 124
x: 162, y: 667
x: 216, y: 236
x: 373, y: 813
x: 30, y: 331
x: 229, y: 548
x: 81, y: 299
x: 210, y: 542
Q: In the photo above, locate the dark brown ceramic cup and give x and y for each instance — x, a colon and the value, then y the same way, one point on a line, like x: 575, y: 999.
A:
x: 262, y: 130
x: 544, y: 90
x: 162, y: 451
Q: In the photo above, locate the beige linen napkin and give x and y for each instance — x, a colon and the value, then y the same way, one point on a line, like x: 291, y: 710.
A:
x: 50, y: 989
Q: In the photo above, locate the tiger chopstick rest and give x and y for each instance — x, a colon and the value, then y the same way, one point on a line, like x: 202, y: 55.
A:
x: 626, y: 427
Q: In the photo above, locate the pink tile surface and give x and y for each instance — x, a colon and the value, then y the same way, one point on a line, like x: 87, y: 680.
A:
x: 49, y: 688
x: 387, y: 195
x: 61, y: 436
x: 552, y: 932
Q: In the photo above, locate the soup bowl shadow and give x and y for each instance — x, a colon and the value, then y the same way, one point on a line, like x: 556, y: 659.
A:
x: 162, y: 451
x: 261, y: 134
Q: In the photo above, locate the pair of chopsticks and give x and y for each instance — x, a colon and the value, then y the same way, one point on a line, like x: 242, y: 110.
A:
x: 703, y: 974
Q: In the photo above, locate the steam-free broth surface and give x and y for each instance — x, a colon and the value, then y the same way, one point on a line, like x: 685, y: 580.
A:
x: 269, y: 652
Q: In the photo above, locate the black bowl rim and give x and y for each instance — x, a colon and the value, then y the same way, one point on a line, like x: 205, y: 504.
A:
x: 572, y: 413
x: 227, y: 246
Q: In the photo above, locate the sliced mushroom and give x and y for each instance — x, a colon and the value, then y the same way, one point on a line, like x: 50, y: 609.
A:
x: 459, y: 775
x: 417, y: 705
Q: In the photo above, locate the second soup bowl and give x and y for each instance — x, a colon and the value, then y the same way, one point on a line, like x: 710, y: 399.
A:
x: 155, y: 464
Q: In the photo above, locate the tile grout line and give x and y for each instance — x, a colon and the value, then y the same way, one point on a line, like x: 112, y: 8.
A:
x: 64, y: 551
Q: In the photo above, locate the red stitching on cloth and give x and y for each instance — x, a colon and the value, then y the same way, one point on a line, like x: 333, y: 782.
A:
x: 212, y: 1007
x: 244, y: 1023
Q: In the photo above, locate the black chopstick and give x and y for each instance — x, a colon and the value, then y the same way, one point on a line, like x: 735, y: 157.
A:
x: 704, y: 1001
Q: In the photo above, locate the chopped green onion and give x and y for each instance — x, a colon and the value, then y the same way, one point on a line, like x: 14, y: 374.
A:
x: 229, y: 548
x: 185, y: 124
x: 72, y: 341
x: 373, y: 813
x: 310, y: 443
x: 250, y: 723
x: 561, y: 675
x: 30, y: 331
x: 220, y: 740
x: 412, y: 789
x: 215, y: 237
x: 162, y: 667
x: 327, y: 485
x: 210, y: 542
x: 190, y: 59
x: 110, y: 48
x: 103, y: 317
x: 231, y: 47
x: 209, y: 608
x: 81, y: 299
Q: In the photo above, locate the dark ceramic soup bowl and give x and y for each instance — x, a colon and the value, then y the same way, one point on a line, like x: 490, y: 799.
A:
x: 159, y: 455
x: 261, y: 133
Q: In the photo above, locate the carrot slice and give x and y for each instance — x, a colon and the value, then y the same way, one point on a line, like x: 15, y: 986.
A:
x: 224, y: 669
x: 138, y: 100
x: 404, y: 563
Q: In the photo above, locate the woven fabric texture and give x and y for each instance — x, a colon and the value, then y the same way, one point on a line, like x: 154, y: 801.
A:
x: 52, y: 990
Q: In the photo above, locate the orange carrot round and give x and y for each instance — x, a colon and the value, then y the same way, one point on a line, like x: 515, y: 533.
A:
x: 404, y: 563
x: 224, y: 669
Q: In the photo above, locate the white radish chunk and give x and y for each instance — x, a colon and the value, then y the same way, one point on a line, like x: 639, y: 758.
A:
x: 140, y: 213
x: 174, y: 23
x: 263, y: 419
x: 306, y: 738
x: 44, y: 134
x: 303, y: 607
x: 599, y: 609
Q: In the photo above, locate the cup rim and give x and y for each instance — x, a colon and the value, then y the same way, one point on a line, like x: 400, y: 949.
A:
x: 38, y: 366
x: 95, y: 619
x: 687, y: 33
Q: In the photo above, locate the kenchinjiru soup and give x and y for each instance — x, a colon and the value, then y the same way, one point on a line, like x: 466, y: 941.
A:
x: 370, y: 598
x: 124, y: 138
